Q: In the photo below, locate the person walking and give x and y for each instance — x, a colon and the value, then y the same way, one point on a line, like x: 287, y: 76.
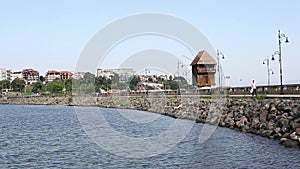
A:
x: 253, y: 88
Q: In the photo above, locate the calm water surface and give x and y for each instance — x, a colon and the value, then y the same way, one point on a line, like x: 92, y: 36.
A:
x: 52, y: 137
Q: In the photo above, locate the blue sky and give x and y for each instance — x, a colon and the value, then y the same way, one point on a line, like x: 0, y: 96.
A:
x: 51, y: 34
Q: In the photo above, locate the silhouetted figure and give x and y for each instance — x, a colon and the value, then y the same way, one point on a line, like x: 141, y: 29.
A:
x: 253, y: 88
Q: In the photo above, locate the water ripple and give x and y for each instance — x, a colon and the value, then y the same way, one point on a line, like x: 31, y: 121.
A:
x: 51, y: 137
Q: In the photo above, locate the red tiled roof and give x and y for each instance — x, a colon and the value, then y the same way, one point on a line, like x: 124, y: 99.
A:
x: 66, y: 72
x: 52, y: 71
x: 30, y: 71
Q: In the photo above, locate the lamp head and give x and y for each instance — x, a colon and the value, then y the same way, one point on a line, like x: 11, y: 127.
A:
x: 263, y: 62
x: 273, y: 57
x: 287, y: 40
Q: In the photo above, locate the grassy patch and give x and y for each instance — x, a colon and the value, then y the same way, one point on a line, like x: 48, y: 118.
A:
x: 172, y: 97
x: 261, y: 97
x: 206, y: 97
x: 212, y: 96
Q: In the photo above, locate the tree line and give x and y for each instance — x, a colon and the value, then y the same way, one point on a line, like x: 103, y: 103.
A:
x: 88, y: 84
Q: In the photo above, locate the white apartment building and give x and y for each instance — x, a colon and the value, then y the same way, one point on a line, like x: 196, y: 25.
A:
x: 17, y: 74
x: 53, y: 74
x: 78, y: 75
x: 124, y: 74
x: 3, y: 74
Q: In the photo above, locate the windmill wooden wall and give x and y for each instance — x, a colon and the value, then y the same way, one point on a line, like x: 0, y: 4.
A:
x: 203, y: 70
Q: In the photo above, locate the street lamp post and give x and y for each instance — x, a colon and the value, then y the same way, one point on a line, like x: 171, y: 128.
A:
x: 146, y: 80
x: 269, y: 70
x: 281, y: 36
x: 2, y: 90
x: 227, y: 78
x: 64, y: 89
x: 185, y: 73
x: 219, y: 54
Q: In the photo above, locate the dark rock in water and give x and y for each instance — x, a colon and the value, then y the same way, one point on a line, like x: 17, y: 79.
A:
x: 290, y: 143
x: 272, y: 137
x: 294, y: 137
x: 286, y: 135
x: 222, y: 124
x: 231, y: 123
x: 265, y: 133
x: 282, y: 140
x: 246, y: 128
x: 171, y: 115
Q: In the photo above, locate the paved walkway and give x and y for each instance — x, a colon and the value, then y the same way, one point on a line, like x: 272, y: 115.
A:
x: 270, y: 96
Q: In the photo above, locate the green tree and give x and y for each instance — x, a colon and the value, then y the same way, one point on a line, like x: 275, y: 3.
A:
x: 150, y: 79
x: 76, y: 86
x: 171, y: 84
x: 119, y: 85
x: 5, y: 84
x: 68, y: 85
x: 87, y: 84
x: 133, y: 82
x: 37, y: 87
x: 150, y: 88
x: 42, y: 78
x: 103, y: 83
x: 56, y: 86
x: 182, y: 82
x: 18, y: 85
x: 174, y: 85
x: 28, y: 89
x: 115, y: 78
x: 88, y: 79
x: 159, y: 80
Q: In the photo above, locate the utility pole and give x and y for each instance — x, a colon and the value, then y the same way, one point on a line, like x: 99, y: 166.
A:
x: 219, y: 54
x: 280, y: 37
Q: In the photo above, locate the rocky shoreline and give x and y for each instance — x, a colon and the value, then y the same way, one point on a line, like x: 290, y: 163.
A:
x: 272, y: 118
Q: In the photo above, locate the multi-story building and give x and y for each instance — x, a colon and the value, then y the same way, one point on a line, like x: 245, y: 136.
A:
x: 8, y: 75
x: 64, y: 75
x: 78, y: 75
x: 108, y: 73
x: 3, y: 74
x: 53, y: 74
x: 16, y: 74
x: 30, y: 76
x: 124, y: 74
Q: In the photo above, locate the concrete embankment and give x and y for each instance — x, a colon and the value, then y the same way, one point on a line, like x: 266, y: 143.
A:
x: 272, y: 118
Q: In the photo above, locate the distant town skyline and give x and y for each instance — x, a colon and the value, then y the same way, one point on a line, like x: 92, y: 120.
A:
x: 51, y: 34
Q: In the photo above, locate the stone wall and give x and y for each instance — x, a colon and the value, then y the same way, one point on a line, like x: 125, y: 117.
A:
x: 272, y: 118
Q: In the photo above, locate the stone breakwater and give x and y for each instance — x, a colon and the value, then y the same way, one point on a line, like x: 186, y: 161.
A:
x: 272, y: 118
